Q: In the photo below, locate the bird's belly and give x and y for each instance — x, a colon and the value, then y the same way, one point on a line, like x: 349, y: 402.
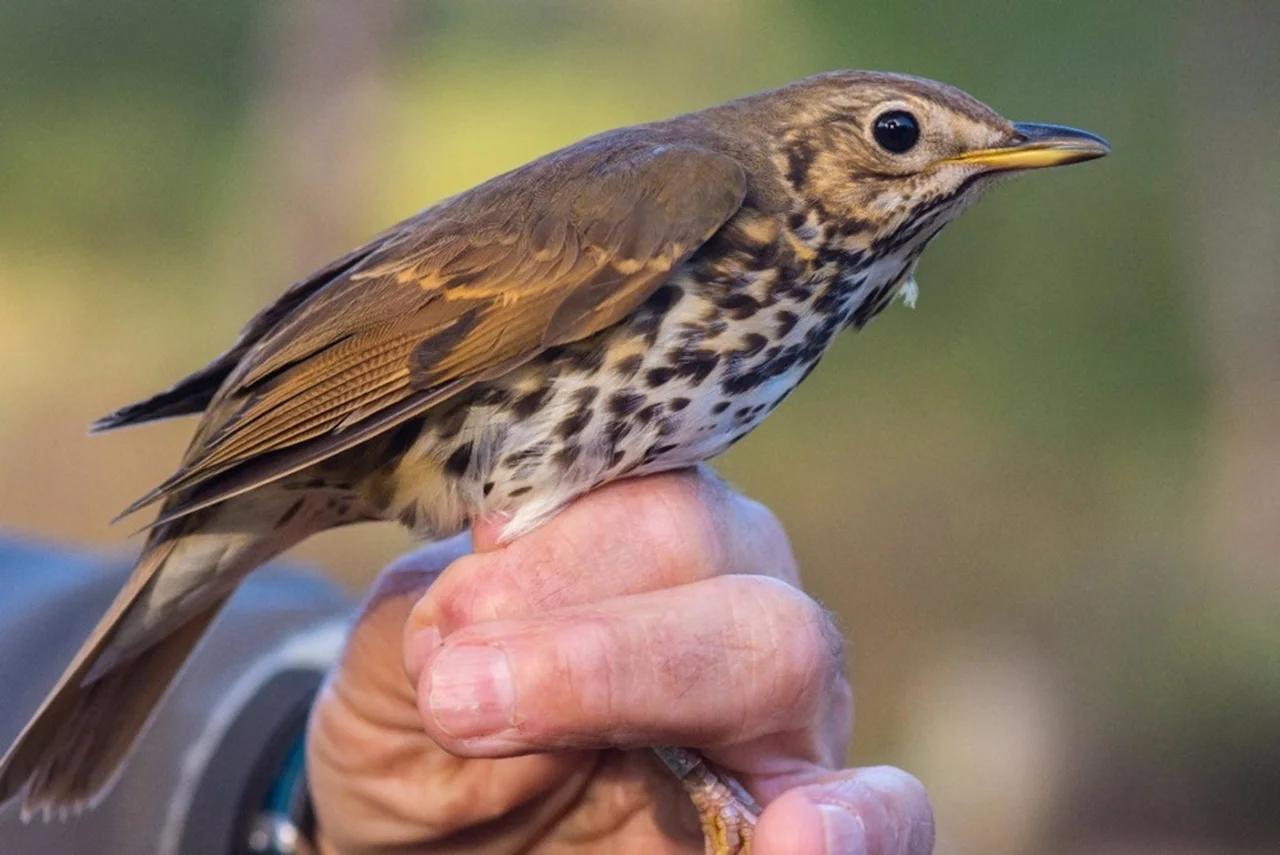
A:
x: 647, y: 396
x: 717, y: 422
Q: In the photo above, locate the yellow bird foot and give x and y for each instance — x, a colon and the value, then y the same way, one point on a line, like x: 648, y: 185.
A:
x: 726, y: 810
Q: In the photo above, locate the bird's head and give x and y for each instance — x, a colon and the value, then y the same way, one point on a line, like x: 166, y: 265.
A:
x: 892, y: 158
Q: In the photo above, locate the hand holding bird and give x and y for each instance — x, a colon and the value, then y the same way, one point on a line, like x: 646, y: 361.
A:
x: 629, y: 619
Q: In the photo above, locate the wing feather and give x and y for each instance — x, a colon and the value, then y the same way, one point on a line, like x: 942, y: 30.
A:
x: 545, y: 255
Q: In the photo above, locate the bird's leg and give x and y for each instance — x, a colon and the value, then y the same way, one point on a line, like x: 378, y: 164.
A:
x: 727, y: 811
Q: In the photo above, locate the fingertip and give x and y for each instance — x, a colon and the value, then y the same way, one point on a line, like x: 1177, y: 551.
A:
x: 899, y: 817
x: 842, y: 831
x: 795, y: 825
x: 467, y: 694
x: 879, y: 810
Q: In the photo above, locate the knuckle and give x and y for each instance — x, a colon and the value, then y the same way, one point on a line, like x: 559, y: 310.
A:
x: 487, y: 600
x: 803, y: 649
x: 680, y: 524
x: 467, y: 593
x: 523, y: 579
x: 590, y: 658
x: 761, y: 544
x: 761, y: 518
x: 425, y: 613
x: 816, y: 668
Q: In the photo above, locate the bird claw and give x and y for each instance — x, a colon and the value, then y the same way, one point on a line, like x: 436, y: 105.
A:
x: 728, y: 825
x: 726, y: 810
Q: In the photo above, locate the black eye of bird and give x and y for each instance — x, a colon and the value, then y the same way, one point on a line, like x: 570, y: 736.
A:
x: 896, y: 131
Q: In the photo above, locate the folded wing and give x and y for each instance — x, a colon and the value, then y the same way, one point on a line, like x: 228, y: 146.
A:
x: 545, y: 255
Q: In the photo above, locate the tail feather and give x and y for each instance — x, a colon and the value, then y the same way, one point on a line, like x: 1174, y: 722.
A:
x: 74, y: 749
x: 70, y: 750
x: 189, y: 397
x: 24, y: 757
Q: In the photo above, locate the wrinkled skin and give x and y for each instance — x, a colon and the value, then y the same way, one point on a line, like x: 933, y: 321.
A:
x: 662, y: 610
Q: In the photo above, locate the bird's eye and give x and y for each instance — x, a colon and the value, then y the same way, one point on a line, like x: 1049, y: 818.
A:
x: 896, y: 131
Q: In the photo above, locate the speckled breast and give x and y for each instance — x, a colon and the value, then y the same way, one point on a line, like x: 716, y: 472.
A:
x: 711, y: 353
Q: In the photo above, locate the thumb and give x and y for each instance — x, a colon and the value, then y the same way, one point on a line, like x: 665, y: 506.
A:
x: 875, y: 811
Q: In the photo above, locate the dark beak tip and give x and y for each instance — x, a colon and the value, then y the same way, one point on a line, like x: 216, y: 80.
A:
x: 1060, y: 136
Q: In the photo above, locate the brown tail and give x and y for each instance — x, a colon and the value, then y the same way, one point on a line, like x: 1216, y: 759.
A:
x: 74, y: 746
x: 70, y: 750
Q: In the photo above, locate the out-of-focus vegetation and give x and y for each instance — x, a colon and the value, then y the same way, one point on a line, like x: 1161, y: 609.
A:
x: 1045, y: 504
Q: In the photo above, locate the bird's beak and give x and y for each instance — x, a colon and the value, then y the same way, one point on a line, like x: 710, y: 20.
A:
x: 1038, y: 146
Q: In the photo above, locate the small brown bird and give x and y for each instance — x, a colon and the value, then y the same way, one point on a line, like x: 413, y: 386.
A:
x: 633, y: 303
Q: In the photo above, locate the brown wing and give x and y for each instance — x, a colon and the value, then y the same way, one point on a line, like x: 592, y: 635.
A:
x: 544, y: 255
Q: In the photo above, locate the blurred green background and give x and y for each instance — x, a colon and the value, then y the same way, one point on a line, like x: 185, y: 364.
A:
x: 1045, y: 504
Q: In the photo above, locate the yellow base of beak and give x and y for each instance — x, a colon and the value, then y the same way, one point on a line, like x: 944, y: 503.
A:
x: 1037, y: 147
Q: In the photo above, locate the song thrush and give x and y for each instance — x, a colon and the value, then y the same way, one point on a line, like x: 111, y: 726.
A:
x: 633, y: 303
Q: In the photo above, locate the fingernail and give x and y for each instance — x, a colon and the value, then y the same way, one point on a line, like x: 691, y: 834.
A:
x: 472, y: 692
x: 421, y: 645
x: 844, y: 832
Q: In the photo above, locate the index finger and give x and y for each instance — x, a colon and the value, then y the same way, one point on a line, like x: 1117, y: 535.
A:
x: 630, y: 537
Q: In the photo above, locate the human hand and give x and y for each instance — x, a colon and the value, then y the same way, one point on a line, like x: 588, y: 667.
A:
x: 655, y: 611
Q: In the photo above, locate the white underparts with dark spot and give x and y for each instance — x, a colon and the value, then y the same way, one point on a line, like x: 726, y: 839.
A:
x: 661, y: 391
